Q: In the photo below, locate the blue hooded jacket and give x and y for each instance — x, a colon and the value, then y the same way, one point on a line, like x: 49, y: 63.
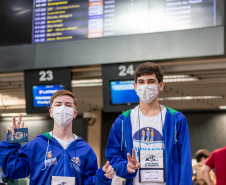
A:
x: 178, y: 167
x: 40, y: 159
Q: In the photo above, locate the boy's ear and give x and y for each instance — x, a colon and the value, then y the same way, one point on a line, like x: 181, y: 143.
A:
x: 161, y: 86
x: 135, y: 86
x: 51, y: 113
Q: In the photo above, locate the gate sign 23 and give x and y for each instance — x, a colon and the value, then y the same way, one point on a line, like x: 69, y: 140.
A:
x: 46, y: 76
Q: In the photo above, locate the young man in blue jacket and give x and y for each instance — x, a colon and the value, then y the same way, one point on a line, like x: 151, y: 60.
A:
x: 162, y: 156
x: 56, y: 157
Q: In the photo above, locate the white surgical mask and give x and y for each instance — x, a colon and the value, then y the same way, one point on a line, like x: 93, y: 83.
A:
x: 63, y: 115
x: 147, y: 93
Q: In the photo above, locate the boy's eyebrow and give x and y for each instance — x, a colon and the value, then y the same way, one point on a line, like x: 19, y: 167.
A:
x: 68, y: 103
x: 58, y: 102
x: 148, y: 79
x: 65, y: 102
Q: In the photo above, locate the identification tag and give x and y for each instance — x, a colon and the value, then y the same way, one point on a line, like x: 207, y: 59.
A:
x: 21, y: 135
x: 61, y: 180
x: 152, y: 166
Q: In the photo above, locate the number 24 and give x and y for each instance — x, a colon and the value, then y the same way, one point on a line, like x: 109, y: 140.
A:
x: 126, y: 71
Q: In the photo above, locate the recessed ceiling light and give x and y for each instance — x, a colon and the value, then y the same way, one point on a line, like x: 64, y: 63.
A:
x: 179, y: 78
x: 189, y: 98
x: 86, y: 83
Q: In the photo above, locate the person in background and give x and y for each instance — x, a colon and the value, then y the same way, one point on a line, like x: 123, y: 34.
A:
x: 167, y: 159
x: 197, y: 178
x: 55, y: 157
x: 216, y: 160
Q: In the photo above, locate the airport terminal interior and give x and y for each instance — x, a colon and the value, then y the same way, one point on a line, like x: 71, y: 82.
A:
x: 92, y: 47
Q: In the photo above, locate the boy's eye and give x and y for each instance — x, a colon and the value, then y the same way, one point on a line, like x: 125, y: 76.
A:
x: 140, y: 82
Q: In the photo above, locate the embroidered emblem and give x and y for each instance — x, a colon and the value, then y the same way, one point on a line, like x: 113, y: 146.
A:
x: 49, y: 154
x: 76, y: 162
x: 52, y: 161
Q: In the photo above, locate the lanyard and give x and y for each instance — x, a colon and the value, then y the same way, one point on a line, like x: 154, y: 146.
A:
x: 51, y: 172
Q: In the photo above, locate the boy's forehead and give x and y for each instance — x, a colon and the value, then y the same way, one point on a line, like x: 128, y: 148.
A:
x: 152, y: 76
x: 63, y: 98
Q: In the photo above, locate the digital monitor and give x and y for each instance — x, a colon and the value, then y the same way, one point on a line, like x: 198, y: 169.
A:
x: 41, y: 84
x: 123, y: 92
x: 82, y: 19
x: 43, y: 93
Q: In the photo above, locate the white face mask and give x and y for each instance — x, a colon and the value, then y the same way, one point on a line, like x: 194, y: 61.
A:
x: 63, y: 115
x: 147, y: 93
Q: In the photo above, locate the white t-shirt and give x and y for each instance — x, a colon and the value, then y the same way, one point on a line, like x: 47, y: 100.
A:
x: 147, y: 135
x: 63, y: 143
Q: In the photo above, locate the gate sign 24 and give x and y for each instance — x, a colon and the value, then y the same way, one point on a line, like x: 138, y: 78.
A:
x: 126, y: 71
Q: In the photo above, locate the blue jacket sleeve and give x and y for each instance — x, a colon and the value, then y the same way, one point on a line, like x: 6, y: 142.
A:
x: 184, y: 149
x: 15, y: 163
x: 115, y: 153
x: 91, y: 175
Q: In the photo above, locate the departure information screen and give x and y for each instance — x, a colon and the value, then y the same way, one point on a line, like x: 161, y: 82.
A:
x: 43, y: 93
x: 57, y: 20
x: 120, y: 91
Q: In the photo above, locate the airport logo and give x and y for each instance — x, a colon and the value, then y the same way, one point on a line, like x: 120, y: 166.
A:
x: 48, y: 91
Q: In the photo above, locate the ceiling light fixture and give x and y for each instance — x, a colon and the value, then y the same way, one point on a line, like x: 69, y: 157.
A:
x: 222, y: 107
x: 13, y: 114
x: 167, y: 79
x: 189, y: 98
x: 86, y: 83
x: 179, y: 78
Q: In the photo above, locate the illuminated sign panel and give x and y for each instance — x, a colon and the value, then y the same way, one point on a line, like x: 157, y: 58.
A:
x: 58, y: 20
x: 40, y: 86
x: 43, y: 93
x: 123, y: 92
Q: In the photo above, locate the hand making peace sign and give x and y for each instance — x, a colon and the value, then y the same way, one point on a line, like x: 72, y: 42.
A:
x: 132, y: 164
x: 15, y: 125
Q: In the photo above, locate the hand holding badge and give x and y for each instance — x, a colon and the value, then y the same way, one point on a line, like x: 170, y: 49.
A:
x: 17, y: 133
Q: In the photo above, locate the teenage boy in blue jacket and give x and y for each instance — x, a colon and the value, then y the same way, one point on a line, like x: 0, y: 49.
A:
x: 165, y: 159
x: 56, y: 157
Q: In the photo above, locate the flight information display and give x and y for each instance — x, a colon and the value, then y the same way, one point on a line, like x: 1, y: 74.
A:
x: 120, y: 91
x: 57, y: 20
x: 43, y: 93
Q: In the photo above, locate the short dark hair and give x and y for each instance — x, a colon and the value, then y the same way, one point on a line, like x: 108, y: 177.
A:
x: 62, y: 92
x: 201, y: 153
x: 148, y: 68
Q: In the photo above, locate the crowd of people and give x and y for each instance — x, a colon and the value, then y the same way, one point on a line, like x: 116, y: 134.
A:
x: 147, y: 145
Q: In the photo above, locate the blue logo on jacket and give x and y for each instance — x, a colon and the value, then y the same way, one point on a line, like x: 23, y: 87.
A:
x: 76, y: 162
